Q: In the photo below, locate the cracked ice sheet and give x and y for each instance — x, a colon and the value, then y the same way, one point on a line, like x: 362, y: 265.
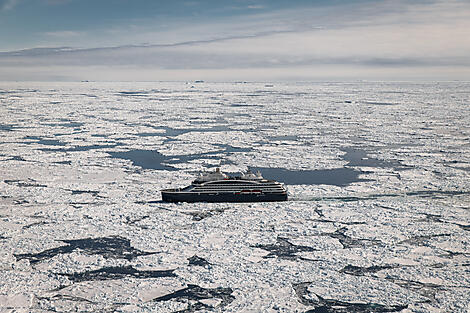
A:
x: 406, y: 229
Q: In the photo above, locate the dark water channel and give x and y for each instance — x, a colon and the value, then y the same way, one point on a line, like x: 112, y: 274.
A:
x: 148, y: 159
x: 335, y: 177
x: 359, y: 157
x: 154, y: 160
x: 344, y: 176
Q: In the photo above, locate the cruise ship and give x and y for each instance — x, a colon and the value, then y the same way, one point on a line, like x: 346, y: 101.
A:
x: 218, y: 187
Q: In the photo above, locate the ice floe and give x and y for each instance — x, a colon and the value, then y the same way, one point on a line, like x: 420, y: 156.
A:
x: 378, y: 180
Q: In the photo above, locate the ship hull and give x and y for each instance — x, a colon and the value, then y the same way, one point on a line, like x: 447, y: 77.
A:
x: 169, y: 196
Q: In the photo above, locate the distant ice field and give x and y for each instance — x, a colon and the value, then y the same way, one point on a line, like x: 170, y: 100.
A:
x: 378, y: 217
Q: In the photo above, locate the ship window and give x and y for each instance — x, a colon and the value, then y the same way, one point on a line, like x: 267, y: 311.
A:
x: 228, y: 182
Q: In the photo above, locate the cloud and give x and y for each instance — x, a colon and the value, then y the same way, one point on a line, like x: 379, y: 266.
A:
x: 63, y: 34
x: 6, y: 5
x: 410, y: 41
x: 256, y: 7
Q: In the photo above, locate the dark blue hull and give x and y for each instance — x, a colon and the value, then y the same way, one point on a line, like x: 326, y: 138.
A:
x: 169, y: 196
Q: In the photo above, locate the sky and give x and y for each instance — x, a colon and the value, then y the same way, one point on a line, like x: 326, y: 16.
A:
x: 233, y: 40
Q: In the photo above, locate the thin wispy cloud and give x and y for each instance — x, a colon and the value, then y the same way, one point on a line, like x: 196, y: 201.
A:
x: 256, y: 7
x: 391, y: 40
x: 6, y: 5
x: 63, y: 34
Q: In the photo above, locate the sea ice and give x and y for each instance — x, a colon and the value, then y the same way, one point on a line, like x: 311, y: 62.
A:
x: 379, y: 222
